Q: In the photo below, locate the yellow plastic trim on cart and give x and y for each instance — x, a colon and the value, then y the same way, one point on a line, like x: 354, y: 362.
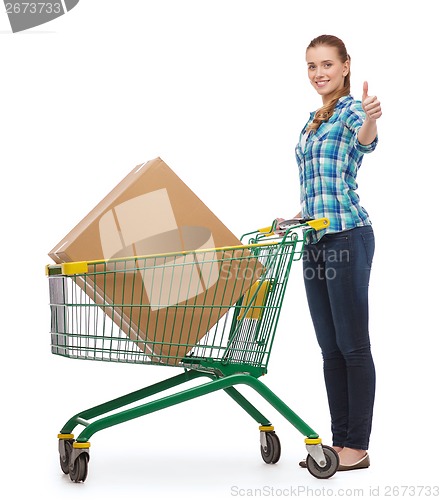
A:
x: 316, y: 224
x: 313, y: 441
x: 69, y: 268
x: 266, y: 230
x: 256, y: 309
x: 81, y: 445
x: 319, y: 223
x: 266, y: 428
x: 65, y: 436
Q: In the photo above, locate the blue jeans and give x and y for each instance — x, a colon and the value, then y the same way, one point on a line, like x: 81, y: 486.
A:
x: 336, y: 273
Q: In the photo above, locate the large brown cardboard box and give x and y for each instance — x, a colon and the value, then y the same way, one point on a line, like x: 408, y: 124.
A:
x: 166, y: 303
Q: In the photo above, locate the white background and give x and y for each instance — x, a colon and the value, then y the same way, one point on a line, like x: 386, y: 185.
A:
x: 219, y: 90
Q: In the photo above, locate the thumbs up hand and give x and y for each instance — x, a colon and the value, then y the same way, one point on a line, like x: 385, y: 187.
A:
x: 371, y: 105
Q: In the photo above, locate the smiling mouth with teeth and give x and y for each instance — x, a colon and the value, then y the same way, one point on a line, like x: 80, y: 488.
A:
x: 321, y: 83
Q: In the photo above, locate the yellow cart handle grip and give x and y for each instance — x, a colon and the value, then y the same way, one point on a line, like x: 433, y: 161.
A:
x: 267, y: 230
x: 316, y: 224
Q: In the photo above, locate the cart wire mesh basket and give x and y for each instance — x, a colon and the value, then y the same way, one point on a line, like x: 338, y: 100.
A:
x: 211, y: 309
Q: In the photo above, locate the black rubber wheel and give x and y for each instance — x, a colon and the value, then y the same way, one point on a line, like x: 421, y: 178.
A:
x: 271, y: 454
x: 78, y: 473
x: 331, y: 467
x: 64, y: 463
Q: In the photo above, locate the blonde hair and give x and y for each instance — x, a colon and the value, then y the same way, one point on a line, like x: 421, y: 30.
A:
x: 325, y: 112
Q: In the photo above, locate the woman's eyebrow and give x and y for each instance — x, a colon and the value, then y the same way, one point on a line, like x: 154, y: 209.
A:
x: 322, y: 62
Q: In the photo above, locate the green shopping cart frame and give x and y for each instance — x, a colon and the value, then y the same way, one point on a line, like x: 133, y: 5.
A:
x: 185, y: 310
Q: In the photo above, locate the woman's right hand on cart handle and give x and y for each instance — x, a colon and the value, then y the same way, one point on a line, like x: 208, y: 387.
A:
x: 297, y: 219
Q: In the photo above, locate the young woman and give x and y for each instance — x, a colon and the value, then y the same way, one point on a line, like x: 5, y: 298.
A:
x: 337, y: 260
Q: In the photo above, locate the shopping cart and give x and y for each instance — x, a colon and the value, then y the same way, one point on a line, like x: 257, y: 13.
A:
x: 131, y: 310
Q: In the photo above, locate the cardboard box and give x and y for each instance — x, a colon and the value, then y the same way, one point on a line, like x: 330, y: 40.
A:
x: 150, y: 212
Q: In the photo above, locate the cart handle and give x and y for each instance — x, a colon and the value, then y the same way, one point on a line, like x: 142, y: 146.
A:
x: 316, y: 224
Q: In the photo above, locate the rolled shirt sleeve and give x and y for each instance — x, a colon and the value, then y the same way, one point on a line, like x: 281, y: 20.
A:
x: 365, y: 148
x: 353, y: 120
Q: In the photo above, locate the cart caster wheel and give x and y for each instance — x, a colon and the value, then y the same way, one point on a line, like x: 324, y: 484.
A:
x: 64, y: 461
x: 332, y: 463
x: 78, y: 473
x: 271, y: 453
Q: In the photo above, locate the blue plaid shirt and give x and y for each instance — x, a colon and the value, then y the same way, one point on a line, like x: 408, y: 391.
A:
x: 328, y: 163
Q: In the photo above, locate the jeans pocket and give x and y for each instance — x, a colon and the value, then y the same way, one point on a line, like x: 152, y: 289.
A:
x: 340, y: 236
x: 369, y: 246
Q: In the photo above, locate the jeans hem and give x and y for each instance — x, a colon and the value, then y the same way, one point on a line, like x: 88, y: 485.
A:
x: 357, y: 446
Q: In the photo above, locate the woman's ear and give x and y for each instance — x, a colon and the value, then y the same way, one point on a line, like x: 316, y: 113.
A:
x: 346, y: 68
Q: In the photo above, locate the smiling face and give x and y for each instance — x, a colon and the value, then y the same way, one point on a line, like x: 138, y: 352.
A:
x: 326, y: 71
